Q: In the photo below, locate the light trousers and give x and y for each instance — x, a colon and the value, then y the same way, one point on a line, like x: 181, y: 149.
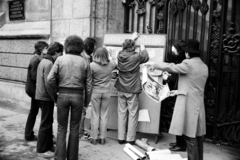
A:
x: 127, y: 110
x: 99, y: 114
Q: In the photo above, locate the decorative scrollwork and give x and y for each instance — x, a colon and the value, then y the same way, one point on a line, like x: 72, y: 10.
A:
x: 152, y: 2
x: 141, y: 7
x: 131, y: 3
x: 181, y: 5
x: 196, y: 4
x: 161, y: 4
x: 204, y: 7
x: 188, y: 2
x: 173, y: 9
x: 231, y: 41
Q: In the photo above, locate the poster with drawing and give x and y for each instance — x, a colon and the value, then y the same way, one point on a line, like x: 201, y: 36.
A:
x: 156, y: 91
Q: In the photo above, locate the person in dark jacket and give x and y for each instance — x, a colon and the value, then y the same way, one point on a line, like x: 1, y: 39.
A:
x: 129, y: 87
x: 74, y: 76
x: 30, y: 87
x: 87, y: 54
x: 45, y: 101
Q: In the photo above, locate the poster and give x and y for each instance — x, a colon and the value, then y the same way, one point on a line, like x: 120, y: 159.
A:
x: 156, y: 91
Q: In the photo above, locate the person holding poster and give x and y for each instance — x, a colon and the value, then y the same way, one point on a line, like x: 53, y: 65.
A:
x: 189, y: 111
x: 129, y: 87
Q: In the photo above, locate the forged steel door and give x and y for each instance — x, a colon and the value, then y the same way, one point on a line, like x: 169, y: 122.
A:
x: 216, y: 24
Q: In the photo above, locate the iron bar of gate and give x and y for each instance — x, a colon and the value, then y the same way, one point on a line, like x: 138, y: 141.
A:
x: 173, y: 14
x: 181, y: 8
x: 195, y: 4
x: 133, y: 13
x: 126, y: 18
x: 156, y: 20
x: 144, y: 19
x: 188, y: 20
x: 204, y: 10
x: 220, y: 59
x: 149, y: 27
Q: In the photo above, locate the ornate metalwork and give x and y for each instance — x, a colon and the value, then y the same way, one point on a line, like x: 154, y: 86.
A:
x: 173, y: 9
x: 141, y: 7
x: 231, y: 41
x: 130, y: 3
x: 196, y: 4
x: 149, y: 27
x: 204, y: 8
x: 181, y: 5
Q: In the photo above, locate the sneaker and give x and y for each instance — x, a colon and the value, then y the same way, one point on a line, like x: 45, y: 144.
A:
x: 47, y: 154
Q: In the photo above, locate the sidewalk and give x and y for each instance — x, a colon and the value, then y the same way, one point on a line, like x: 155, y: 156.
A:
x: 14, y: 147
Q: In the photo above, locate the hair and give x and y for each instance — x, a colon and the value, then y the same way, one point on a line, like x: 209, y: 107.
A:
x: 181, y: 53
x: 89, y: 44
x: 192, y: 55
x: 128, y: 45
x: 101, y: 56
x: 39, y: 47
x: 55, y: 47
x: 74, y: 44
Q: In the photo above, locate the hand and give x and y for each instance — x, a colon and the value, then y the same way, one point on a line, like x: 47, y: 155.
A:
x: 173, y: 93
x: 142, y: 47
x: 165, y: 75
x: 135, y: 36
x: 150, y: 65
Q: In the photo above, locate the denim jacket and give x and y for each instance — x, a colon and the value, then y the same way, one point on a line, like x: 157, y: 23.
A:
x: 73, y: 72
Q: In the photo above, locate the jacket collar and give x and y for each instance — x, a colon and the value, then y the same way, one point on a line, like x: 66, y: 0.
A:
x: 49, y: 58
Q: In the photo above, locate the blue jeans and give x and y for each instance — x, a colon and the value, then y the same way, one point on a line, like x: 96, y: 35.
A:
x: 73, y: 103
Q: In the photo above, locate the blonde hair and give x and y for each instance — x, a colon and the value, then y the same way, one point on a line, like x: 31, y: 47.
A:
x: 101, y: 56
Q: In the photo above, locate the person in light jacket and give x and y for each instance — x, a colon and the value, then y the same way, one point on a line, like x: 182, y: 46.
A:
x: 189, y: 111
x: 101, y: 69
x: 74, y: 77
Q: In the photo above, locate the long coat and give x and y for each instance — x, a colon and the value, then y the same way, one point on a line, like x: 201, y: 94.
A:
x: 189, y: 111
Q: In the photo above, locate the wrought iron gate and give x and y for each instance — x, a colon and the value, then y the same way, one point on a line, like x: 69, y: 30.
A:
x: 214, y: 24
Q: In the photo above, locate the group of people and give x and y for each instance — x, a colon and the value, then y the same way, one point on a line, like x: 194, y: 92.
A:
x: 83, y: 75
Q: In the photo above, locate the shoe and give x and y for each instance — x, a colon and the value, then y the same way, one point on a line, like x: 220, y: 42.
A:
x: 34, y: 138
x: 102, y: 141
x: 54, y: 141
x: 131, y: 142
x: 52, y: 149
x: 47, y: 154
x: 177, y: 149
x: 121, y: 141
x: 93, y: 141
x: 173, y: 144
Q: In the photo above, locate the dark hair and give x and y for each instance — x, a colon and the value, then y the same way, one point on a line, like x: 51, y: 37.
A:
x: 55, y: 47
x: 101, y: 56
x: 128, y: 45
x: 181, y: 53
x: 73, y: 44
x: 89, y: 44
x: 39, y: 46
x: 192, y: 55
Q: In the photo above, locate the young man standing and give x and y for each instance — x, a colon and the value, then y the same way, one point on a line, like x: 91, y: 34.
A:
x: 45, y: 101
x: 40, y: 50
x: 74, y: 77
x: 129, y: 87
